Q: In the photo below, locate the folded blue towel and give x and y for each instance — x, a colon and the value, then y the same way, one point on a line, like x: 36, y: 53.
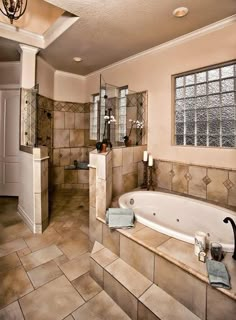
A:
x: 120, y: 218
x: 218, y: 274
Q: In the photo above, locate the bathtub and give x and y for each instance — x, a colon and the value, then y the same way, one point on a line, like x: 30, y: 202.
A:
x: 180, y: 217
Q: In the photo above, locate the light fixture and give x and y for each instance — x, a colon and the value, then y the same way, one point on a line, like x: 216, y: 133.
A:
x: 13, y: 9
x: 180, y: 12
x: 77, y: 59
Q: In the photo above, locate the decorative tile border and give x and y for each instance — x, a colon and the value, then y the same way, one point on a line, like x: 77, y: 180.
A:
x: 213, y: 184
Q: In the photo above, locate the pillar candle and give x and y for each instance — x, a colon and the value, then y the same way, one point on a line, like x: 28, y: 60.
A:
x: 145, y: 155
x: 150, y: 161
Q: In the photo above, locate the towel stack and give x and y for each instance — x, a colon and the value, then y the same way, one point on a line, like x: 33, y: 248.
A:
x: 120, y: 218
x: 218, y: 274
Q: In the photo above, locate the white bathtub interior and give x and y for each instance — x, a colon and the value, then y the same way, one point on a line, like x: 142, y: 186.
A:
x: 180, y: 217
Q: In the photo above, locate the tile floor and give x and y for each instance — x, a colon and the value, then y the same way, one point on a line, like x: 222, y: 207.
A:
x: 46, y: 277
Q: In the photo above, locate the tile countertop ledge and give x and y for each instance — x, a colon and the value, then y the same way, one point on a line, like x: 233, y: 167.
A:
x: 178, y: 252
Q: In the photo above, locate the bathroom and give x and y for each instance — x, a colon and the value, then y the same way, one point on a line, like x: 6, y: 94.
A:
x: 196, y: 172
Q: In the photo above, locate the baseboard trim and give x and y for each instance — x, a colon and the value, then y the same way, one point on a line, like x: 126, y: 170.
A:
x: 25, y: 218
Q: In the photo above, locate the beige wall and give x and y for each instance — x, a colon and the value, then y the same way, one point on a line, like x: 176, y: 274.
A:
x: 45, y: 78
x: 69, y: 87
x: 153, y: 72
x: 10, y: 73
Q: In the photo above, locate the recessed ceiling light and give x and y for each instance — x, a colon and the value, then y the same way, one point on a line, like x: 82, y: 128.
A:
x: 180, y: 12
x: 77, y: 59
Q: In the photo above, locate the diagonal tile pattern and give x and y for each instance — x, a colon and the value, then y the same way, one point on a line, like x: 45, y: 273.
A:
x: 45, y: 277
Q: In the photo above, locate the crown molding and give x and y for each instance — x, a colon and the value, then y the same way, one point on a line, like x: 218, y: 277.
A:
x: 172, y: 43
x: 36, y: 40
x: 63, y: 23
x: 70, y: 75
x: 20, y: 35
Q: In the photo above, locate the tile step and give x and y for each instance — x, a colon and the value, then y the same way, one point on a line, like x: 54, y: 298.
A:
x: 133, y: 292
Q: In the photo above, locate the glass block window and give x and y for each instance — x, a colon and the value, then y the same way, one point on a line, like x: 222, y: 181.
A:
x: 94, y: 107
x: 123, y: 91
x: 205, y: 109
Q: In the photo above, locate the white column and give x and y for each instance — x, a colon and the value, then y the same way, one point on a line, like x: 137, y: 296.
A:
x: 28, y: 65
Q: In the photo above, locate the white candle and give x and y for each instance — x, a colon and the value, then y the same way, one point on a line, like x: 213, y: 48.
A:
x: 145, y: 155
x: 199, y: 242
x: 150, y: 161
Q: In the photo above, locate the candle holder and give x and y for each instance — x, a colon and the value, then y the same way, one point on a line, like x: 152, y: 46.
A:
x: 150, y: 185
x: 145, y: 178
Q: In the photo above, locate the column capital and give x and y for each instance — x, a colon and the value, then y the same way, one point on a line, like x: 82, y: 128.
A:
x: 29, y: 49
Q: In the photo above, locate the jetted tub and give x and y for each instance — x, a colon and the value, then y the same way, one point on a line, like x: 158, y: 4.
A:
x: 180, y: 217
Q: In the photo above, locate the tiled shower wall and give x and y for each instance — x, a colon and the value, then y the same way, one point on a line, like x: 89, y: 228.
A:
x: 209, y: 183
x: 67, y: 138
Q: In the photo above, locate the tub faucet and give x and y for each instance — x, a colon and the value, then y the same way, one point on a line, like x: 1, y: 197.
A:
x: 226, y: 220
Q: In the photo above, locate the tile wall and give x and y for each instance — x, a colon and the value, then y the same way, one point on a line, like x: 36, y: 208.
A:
x: 64, y: 129
x: 208, y: 183
x: 127, y: 169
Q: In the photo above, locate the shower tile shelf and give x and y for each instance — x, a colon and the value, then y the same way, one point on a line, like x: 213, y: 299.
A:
x: 178, y: 253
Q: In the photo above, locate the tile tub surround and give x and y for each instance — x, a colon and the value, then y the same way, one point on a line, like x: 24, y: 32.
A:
x: 111, y: 173
x: 127, y: 168
x: 217, y: 185
x: 134, y: 293
x: 170, y: 257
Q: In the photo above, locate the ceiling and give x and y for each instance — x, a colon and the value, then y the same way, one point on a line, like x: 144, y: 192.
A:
x: 111, y: 30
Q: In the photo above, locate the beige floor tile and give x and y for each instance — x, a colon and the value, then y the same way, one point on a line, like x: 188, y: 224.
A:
x: 23, y: 252
x: 73, y: 248
x: 86, y: 286
x: 101, y: 307
x: 14, y: 284
x: 12, y: 246
x: 131, y: 279
x: 61, y: 260
x: 44, y: 273
x: 9, y: 262
x: 69, y: 318
x: 164, y: 306
x: 11, y: 312
x: 104, y: 257
x: 76, y: 267
x: 53, y: 301
x: 36, y: 242
x: 39, y: 257
x: 18, y: 230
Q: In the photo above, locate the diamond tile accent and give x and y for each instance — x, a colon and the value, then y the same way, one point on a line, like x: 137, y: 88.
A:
x: 172, y: 173
x: 188, y: 176
x: 206, y: 180
x: 228, y: 184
